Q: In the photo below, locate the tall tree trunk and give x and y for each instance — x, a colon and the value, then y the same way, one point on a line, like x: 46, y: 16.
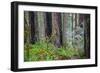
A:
x: 40, y: 22
x: 32, y: 22
x: 27, y: 33
x: 64, y: 28
x: 73, y: 28
x: 81, y: 25
x: 76, y: 36
x: 36, y: 36
x: 48, y: 30
x: 70, y: 30
x: 55, y: 30
x: 27, y: 27
x: 67, y: 29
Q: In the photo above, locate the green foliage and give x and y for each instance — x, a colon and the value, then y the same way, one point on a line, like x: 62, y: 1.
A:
x: 46, y: 51
x: 27, y: 47
x: 67, y: 53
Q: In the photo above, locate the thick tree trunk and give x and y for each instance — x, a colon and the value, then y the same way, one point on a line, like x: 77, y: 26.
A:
x: 40, y: 23
x: 67, y: 29
x: 55, y: 30
x: 41, y: 20
x: 76, y: 32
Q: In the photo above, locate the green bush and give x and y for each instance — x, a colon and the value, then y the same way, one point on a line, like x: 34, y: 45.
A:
x: 46, y: 51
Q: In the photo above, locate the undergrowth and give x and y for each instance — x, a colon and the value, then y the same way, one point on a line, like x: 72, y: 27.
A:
x: 46, y: 51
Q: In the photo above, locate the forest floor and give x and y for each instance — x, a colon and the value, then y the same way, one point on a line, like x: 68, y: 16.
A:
x: 42, y: 51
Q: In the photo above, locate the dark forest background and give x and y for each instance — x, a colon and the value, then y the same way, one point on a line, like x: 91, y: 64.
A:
x: 66, y: 35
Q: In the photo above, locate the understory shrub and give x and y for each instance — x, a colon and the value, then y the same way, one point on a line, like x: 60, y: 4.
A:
x: 46, y: 51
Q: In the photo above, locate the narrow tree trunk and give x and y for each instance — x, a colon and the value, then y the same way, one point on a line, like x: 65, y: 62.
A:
x: 69, y: 30
x: 48, y: 30
x: 64, y: 28
x: 27, y: 27
x: 36, y: 36
x: 81, y: 25
x: 73, y: 29
x: 32, y: 22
